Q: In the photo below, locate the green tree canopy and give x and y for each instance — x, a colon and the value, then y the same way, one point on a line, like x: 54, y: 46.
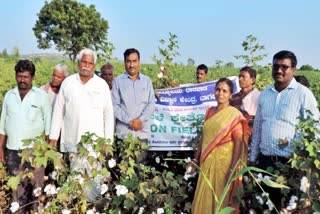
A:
x: 70, y: 26
x: 191, y: 61
x: 306, y: 68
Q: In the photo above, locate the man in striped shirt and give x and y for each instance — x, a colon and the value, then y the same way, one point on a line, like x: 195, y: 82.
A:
x: 279, y: 109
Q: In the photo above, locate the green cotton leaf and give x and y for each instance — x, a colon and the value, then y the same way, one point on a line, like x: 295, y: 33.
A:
x: 273, y: 184
x: 226, y: 210
x: 104, y: 171
x: 317, y: 163
x: 312, y: 151
x: 143, y: 189
x: 13, y: 182
x: 131, y: 172
x: 130, y: 195
x: 157, y: 180
x: 40, y: 161
x: 316, y: 206
x: 62, y: 196
x: 170, y: 175
x: 249, y: 168
x: 37, y: 153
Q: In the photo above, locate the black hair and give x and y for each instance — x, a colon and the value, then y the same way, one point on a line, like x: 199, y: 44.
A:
x: 286, y: 55
x: 25, y: 65
x: 203, y: 67
x: 130, y: 51
x: 229, y: 83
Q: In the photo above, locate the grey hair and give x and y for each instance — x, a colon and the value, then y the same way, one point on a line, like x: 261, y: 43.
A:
x: 62, y: 68
x: 87, y: 51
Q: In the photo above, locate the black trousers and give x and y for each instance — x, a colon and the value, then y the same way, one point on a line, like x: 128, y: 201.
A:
x: 264, y: 162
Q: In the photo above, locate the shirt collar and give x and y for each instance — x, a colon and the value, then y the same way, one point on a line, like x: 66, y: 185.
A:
x: 128, y: 76
x: 293, y: 85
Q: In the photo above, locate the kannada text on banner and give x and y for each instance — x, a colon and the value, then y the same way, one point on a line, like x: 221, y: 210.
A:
x: 176, y: 110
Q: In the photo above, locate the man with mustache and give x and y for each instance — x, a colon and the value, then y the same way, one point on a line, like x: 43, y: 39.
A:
x: 60, y: 72
x: 26, y: 114
x: 246, y: 100
x: 83, y: 105
x: 279, y: 109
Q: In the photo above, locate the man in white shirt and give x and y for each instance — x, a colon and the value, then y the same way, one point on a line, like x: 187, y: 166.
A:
x: 83, y: 105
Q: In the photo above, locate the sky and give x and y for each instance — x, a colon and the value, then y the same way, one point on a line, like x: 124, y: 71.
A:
x: 207, y: 30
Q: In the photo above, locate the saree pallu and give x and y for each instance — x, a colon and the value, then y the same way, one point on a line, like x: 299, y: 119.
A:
x: 216, y: 157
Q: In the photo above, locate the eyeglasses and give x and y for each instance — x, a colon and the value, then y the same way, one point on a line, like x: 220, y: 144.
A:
x: 282, y: 67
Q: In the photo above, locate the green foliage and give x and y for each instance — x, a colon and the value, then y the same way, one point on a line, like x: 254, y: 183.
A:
x: 306, y: 68
x: 190, y: 61
x: 252, y: 48
x: 71, y: 26
x: 167, y: 52
x: 229, y: 65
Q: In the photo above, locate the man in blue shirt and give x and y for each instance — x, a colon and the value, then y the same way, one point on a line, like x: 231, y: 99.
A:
x: 133, y: 99
x: 279, y: 109
x: 26, y: 114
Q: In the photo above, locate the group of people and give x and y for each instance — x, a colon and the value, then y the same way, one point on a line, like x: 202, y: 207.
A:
x: 69, y: 106
x: 264, y: 122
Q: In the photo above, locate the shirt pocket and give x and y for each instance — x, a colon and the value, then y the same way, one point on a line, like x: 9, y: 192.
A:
x: 34, y: 112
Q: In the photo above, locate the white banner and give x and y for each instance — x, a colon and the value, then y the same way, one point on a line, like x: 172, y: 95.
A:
x: 176, y: 109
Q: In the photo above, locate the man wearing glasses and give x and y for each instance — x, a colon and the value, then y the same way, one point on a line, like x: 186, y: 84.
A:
x: 279, y: 109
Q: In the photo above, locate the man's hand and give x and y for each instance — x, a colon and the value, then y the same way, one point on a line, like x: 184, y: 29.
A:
x: 53, y: 143
x: 3, y: 139
x: 136, y: 124
x: 1, y: 155
x: 164, y: 71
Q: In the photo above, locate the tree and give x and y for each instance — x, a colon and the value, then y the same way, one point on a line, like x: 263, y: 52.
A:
x: 306, y: 68
x: 16, y: 52
x: 191, y: 61
x: 4, y: 53
x: 70, y: 26
x: 218, y: 63
x: 251, y: 47
x: 229, y: 65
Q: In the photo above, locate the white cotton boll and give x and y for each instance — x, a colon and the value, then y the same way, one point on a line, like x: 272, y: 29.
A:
x: 165, y: 165
x: 270, y: 204
x: 160, y: 210
x: 104, y: 188
x: 121, y: 190
x: 37, y: 191
x: 14, y: 207
x: 141, y: 209
x: 112, y: 163
x: 304, y: 185
x: 160, y: 75
x: 94, y: 138
x: 66, y: 211
x: 93, y: 154
x: 53, y: 175
x: 50, y: 189
x: 260, y: 200
x: 92, y: 211
x: 187, y: 160
x: 161, y: 68
x: 157, y: 159
x: 189, y: 170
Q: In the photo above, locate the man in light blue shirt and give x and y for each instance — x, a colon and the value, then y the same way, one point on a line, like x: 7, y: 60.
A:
x: 280, y: 106
x: 279, y: 109
x: 26, y: 114
x: 133, y: 99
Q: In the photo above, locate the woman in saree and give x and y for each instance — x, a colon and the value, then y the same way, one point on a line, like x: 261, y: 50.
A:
x: 220, y: 148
